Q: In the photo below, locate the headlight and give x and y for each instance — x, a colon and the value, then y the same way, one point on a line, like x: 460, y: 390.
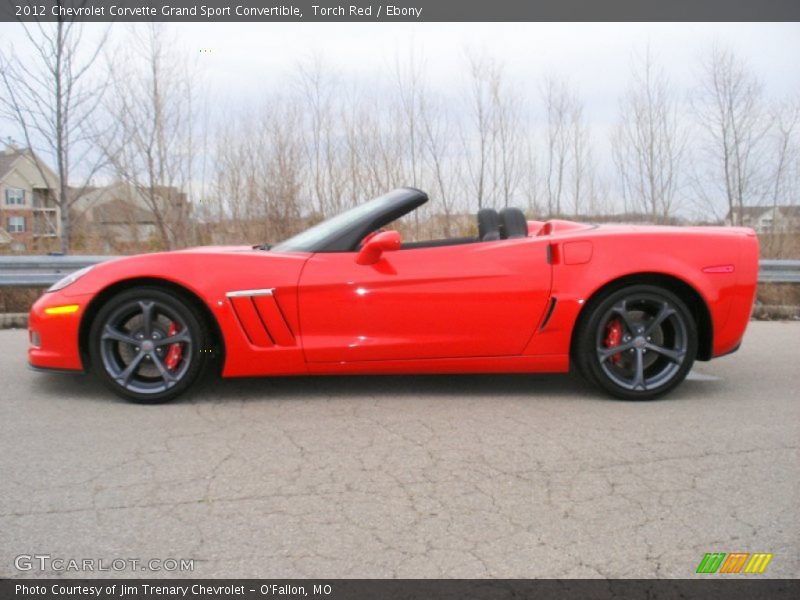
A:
x: 69, y: 279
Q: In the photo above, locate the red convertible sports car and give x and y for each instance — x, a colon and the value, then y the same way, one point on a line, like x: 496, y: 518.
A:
x: 631, y: 307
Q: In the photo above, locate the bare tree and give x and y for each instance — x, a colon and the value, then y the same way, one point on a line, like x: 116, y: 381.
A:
x: 54, y: 98
x: 482, y: 70
x: 283, y: 183
x: 506, y: 137
x: 154, y: 105
x: 410, y: 89
x: 493, y: 140
x: 330, y: 141
x: 785, y: 158
x: 558, y: 107
x: 376, y: 145
x: 317, y: 87
x: 649, y: 143
x: 730, y: 112
x: 437, y: 132
x: 582, y: 172
x: 530, y: 178
x: 786, y: 119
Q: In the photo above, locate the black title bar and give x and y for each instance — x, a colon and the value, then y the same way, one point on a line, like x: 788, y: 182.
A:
x: 716, y: 588
x: 399, y: 10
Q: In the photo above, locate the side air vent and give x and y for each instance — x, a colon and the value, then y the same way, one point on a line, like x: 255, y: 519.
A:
x: 550, y: 309
x: 261, y: 318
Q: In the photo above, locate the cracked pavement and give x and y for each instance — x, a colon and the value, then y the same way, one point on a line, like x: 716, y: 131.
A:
x: 449, y: 476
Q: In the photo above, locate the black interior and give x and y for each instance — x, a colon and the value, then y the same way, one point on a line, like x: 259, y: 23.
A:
x: 492, y: 226
x: 331, y: 236
x: 488, y: 225
x: 513, y: 223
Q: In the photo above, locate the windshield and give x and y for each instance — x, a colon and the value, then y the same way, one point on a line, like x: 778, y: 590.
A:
x: 309, y: 239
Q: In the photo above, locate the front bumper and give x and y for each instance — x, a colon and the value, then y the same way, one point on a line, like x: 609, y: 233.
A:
x: 53, y: 339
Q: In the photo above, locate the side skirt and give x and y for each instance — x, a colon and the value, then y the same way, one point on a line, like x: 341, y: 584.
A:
x: 555, y: 363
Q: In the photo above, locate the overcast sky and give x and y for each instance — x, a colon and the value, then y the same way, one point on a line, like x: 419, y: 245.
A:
x: 248, y: 59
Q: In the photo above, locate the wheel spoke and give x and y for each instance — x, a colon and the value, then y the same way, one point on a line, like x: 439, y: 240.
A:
x: 147, y: 317
x: 180, y: 337
x: 125, y: 376
x: 675, y: 356
x: 621, y: 309
x: 111, y: 333
x: 638, y: 378
x: 604, y: 353
x: 168, y: 377
x: 665, y: 312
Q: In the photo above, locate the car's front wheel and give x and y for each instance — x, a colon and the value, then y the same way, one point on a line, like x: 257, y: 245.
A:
x: 637, y: 343
x: 147, y: 345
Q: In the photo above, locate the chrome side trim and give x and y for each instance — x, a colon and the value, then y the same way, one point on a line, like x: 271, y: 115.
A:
x: 241, y: 293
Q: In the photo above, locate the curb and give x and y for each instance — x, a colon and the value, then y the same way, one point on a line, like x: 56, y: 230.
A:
x: 775, y: 312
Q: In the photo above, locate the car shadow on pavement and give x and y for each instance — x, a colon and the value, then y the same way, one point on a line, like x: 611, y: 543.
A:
x: 212, y: 389
x: 395, y: 386
x: 564, y: 387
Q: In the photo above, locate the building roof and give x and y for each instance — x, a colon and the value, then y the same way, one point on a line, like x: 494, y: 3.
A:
x: 10, y: 156
x: 7, y: 160
x: 120, y: 212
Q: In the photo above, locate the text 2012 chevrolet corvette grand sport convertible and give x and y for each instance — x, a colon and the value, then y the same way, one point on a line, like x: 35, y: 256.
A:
x: 631, y: 307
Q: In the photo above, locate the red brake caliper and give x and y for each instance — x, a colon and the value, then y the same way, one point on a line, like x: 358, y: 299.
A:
x: 175, y: 351
x: 613, y: 338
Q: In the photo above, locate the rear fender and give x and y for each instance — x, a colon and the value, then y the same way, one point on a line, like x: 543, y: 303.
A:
x: 612, y: 260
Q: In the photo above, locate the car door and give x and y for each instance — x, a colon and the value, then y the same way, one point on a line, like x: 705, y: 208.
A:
x: 468, y: 300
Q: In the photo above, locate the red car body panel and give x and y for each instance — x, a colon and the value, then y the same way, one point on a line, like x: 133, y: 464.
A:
x: 502, y: 306
x: 482, y: 299
x: 58, y: 334
x: 681, y: 254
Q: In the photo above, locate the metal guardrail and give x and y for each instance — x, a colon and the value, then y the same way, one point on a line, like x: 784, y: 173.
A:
x: 43, y: 271
x: 779, y: 271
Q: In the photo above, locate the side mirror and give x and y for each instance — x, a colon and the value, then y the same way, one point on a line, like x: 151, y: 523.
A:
x: 385, y: 241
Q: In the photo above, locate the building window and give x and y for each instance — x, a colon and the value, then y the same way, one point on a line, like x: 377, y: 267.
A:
x: 15, y: 197
x: 16, y: 224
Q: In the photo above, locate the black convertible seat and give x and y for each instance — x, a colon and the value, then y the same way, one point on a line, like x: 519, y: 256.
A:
x: 488, y: 225
x: 513, y: 223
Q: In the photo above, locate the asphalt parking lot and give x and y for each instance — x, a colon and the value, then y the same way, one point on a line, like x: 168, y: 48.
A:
x: 471, y: 476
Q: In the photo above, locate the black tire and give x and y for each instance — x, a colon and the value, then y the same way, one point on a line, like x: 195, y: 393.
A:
x: 148, y: 345
x: 656, y: 342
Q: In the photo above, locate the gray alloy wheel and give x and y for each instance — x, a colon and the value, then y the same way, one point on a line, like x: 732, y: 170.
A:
x: 638, y: 343
x: 145, y: 344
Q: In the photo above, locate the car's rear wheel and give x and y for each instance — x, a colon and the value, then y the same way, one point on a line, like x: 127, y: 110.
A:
x: 147, y: 345
x: 637, y: 343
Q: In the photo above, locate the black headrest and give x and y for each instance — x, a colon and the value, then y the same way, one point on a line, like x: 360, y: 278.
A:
x: 514, y: 223
x: 488, y: 225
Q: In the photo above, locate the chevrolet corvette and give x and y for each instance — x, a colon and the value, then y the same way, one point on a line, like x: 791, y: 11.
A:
x: 630, y: 307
